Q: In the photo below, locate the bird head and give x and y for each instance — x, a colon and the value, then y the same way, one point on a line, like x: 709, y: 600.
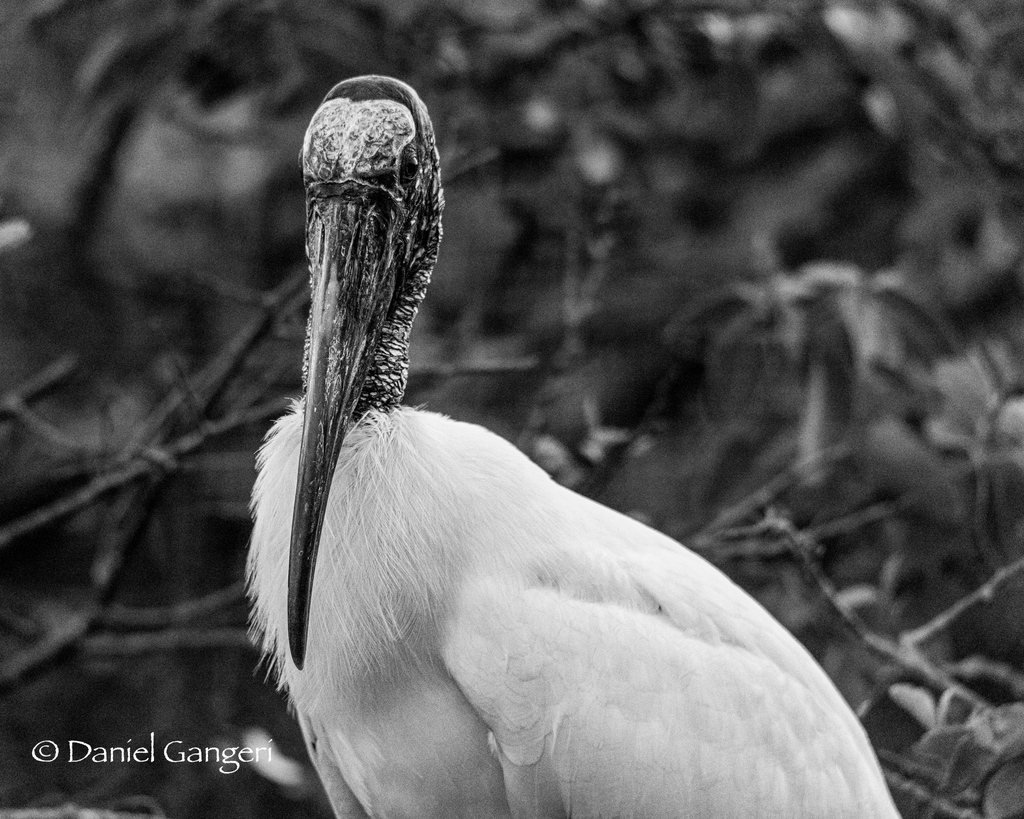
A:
x: 373, y: 225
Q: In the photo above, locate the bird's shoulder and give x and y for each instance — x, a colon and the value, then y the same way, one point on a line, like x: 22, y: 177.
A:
x: 583, y: 637
x: 633, y: 704
x: 526, y: 539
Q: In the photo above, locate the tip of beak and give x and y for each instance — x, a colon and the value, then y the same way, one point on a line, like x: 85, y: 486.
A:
x: 299, y: 586
x: 302, y: 563
x: 298, y: 650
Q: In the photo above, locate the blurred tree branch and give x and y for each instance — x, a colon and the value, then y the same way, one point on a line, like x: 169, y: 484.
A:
x: 70, y: 811
x: 983, y: 668
x: 143, y: 466
x: 902, y: 654
x: 14, y: 405
x: 158, y: 617
x: 48, y: 378
x: 742, y: 509
x: 984, y: 593
x: 154, y: 463
x: 169, y: 639
x: 146, y: 456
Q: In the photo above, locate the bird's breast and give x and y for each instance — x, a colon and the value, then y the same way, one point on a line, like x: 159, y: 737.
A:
x: 417, y: 750
x: 461, y: 595
x: 414, y: 509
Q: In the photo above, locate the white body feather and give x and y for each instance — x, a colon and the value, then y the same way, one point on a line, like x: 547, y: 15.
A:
x: 486, y: 643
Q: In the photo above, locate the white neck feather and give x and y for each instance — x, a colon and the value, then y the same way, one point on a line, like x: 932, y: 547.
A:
x: 411, y: 493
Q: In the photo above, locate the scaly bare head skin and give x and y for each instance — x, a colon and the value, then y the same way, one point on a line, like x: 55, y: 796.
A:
x: 373, y: 224
x: 356, y: 140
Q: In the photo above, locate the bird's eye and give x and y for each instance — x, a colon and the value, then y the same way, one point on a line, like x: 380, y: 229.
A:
x: 410, y: 165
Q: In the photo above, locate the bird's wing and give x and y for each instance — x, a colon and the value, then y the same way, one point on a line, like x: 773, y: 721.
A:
x: 644, y: 683
x: 323, y: 757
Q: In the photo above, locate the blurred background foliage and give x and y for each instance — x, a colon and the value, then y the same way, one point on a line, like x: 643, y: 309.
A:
x: 748, y: 271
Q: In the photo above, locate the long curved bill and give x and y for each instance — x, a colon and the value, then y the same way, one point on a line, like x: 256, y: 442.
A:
x: 352, y: 283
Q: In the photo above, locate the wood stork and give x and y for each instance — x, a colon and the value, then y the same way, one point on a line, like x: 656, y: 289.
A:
x: 483, y: 642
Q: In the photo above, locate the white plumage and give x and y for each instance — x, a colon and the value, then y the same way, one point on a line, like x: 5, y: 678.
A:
x: 484, y: 642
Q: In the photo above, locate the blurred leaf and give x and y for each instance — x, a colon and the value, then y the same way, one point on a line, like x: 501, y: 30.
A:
x: 998, y: 245
x: 954, y: 708
x: 889, y: 725
x: 881, y: 107
x: 14, y: 232
x: 898, y: 463
x: 965, y: 755
x: 280, y: 769
x: 1004, y: 792
x: 600, y: 438
x: 1010, y: 423
x: 103, y: 61
x: 858, y: 597
x: 700, y: 318
x: 814, y: 436
x: 1000, y: 729
x: 925, y: 332
x: 916, y: 701
x: 966, y: 398
x: 955, y: 755
x: 598, y: 157
x: 554, y: 457
x: 125, y: 62
x: 884, y: 28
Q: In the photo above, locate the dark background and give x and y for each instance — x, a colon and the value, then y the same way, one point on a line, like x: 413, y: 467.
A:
x: 750, y: 272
